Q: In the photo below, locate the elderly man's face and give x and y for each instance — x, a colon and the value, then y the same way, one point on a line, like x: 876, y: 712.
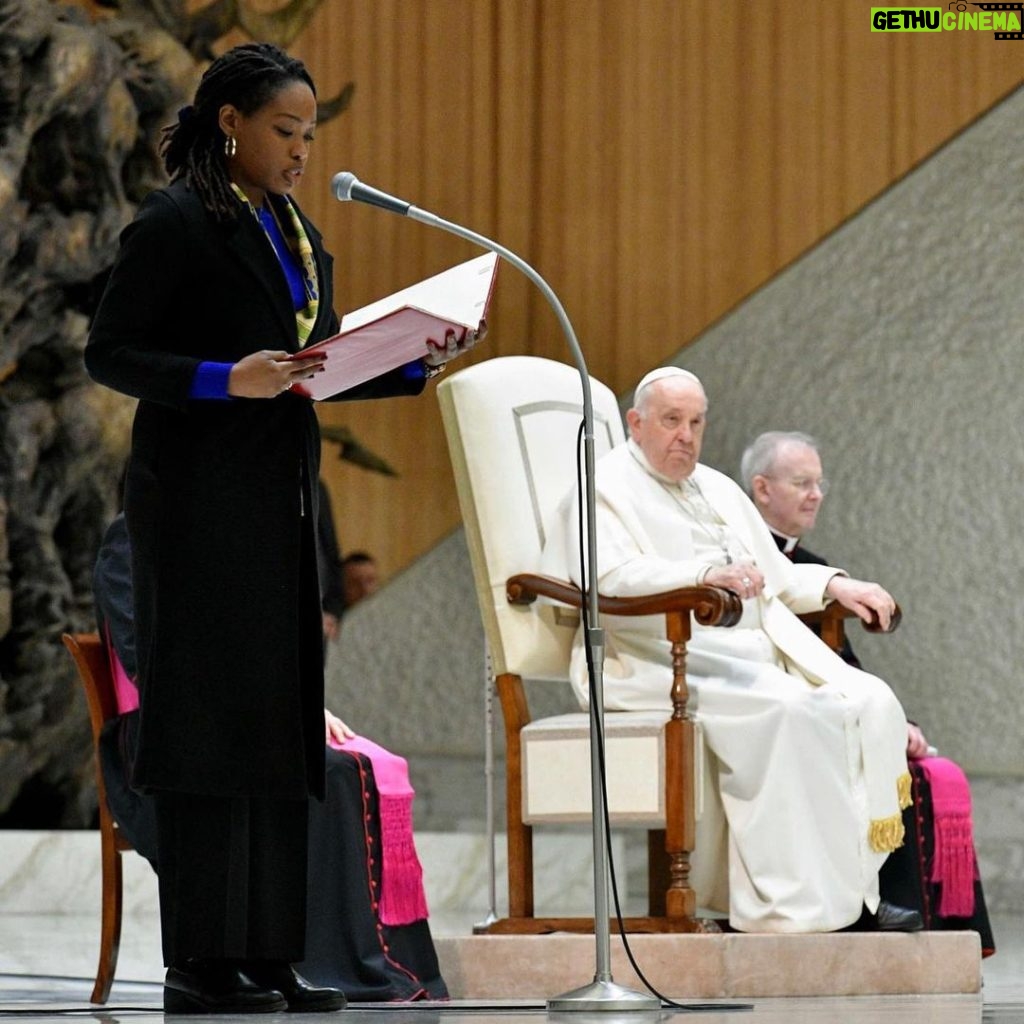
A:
x: 669, y: 426
x: 790, y: 494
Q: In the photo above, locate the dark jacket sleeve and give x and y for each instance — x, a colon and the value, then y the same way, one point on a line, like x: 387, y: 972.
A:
x: 127, y: 348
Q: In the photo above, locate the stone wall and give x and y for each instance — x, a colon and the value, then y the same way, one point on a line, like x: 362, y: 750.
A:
x: 85, y: 87
x: 79, y: 103
x: 897, y: 343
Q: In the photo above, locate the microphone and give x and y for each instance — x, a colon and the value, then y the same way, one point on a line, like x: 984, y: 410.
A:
x: 345, y: 185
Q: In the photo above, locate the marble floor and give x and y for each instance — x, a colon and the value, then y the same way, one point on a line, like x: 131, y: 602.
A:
x: 47, y: 960
x: 49, y: 940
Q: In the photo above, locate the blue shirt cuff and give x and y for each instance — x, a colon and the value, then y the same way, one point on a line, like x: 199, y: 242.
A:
x: 414, y: 371
x: 211, y: 380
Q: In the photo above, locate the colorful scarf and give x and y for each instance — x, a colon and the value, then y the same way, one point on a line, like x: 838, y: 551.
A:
x: 305, y: 318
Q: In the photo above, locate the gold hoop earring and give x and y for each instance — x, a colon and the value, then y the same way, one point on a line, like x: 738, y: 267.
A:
x: 230, y: 145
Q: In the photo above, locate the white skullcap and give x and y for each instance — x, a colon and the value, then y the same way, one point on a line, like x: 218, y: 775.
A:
x: 660, y: 374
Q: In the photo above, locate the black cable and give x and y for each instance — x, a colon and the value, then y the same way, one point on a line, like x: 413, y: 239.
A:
x: 104, y: 1011
x: 101, y: 1011
x: 505, y: 1009
x: 72, y: 977
x: 599, y: 733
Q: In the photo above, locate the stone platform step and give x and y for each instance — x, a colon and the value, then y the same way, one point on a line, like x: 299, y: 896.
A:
x: 726, y: 966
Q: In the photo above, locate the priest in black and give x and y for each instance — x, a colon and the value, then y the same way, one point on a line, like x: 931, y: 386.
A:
x: 935, y: 871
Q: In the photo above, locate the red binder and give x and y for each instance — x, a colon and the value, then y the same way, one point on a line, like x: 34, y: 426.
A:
x: 394, y: 330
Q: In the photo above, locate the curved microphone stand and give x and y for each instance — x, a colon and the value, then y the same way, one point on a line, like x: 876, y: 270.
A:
x: 603, y: 993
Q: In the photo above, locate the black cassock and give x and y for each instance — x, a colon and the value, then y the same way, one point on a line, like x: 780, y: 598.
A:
x: 904, y: 877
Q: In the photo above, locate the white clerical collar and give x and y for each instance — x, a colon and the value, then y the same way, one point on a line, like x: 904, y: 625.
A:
x: 790, y: 542
x: 638, y: 453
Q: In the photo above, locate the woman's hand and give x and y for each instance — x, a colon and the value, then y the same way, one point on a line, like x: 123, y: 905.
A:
x: 335, y: 729
x: 454, y: 345
x: 267, y: 374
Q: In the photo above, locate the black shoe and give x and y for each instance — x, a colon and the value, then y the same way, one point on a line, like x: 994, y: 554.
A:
x: 217, y: 987
x: 891, y: 918
x: 301, y: 996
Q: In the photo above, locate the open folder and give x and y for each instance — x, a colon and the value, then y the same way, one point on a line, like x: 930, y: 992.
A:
x: 393, y: 331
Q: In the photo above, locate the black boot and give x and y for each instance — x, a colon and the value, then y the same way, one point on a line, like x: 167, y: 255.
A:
x: 301, y: 996
x: 217, y: 986
x: 891, y: 918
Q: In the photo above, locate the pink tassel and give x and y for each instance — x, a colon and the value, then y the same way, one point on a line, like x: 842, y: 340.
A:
x: 402, y: 899
x: 954, y: 867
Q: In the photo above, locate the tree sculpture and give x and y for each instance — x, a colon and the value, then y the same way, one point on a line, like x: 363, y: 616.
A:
x: 84, y: 90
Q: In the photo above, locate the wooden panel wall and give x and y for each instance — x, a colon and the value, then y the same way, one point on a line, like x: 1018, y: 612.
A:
x: 655, y: 160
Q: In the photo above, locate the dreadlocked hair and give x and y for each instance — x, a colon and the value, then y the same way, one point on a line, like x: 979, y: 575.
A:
x: 247, y: 77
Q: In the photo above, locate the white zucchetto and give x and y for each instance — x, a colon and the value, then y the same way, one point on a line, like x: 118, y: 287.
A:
x: 660, y: 374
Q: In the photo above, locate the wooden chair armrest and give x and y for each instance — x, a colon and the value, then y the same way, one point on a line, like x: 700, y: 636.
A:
x: 711, y: 606
x: 836, y: 612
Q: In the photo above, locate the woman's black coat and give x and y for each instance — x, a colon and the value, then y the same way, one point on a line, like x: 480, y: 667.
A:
x: 221, y: 504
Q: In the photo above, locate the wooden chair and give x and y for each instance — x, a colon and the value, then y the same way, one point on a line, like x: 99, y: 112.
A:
x: 831, y: 623
x: 94, y: 671
x: 512, y: 426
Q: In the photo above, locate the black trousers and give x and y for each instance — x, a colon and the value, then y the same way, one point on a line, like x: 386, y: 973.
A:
x: 232, y: 877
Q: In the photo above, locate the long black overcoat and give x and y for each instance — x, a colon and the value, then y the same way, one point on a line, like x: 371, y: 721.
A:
x: 220, y: 499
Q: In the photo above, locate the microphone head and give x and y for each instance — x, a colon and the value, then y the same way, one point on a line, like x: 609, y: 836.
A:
x: 342, y: 184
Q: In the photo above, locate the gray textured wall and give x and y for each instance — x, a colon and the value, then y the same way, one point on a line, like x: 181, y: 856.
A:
x: 897, y: 342
x: 410, y: 660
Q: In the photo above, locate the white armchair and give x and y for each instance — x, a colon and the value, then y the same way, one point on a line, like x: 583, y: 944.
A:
x: 512, y: 426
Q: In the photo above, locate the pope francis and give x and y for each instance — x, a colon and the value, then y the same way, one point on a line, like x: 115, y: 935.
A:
x: 808, y: 755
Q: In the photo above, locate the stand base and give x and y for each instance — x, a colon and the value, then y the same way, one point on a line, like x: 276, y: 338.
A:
x: 484, y: 926
x: 603, y: 997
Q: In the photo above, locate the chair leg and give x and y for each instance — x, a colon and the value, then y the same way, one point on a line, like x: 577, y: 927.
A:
x: 520, y: 870
x: 680, y: 899
x: 520, y: 835
x: 110, y: 928
x: 658, y: 879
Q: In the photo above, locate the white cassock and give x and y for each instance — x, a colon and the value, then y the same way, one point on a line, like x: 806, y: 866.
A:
x: 808, y: 754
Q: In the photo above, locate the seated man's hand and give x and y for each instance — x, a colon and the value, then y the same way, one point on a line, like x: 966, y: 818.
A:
x: 863, y: 599
x: 917, y: 745
x: 743, y: 578
x: 336, y: 729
